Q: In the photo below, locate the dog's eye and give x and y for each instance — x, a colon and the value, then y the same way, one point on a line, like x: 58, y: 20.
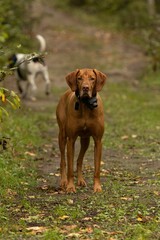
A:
x: 91, y: 78
x: 79, y: 78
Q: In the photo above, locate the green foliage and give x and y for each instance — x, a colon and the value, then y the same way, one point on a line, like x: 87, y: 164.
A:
x: 126, y: 13
x: 10, y: 97
x: 15, y: 25
x: 13, y: 19
x: 135, y: 15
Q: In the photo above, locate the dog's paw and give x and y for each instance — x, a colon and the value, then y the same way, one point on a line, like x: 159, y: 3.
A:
x: 63, y: 183
x: 71, y: 188
x: 97, y: 188
x: 81, y: 182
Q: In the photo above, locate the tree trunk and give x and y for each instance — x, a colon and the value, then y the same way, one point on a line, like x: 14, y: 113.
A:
x: 151, y: 7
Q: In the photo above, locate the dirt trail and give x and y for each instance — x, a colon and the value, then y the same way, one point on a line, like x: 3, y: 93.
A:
x: 72, y: 44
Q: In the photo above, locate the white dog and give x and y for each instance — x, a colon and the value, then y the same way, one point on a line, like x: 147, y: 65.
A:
x: 27, y: 67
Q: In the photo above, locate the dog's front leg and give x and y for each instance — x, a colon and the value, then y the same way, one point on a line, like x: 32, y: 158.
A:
x: 97, y: 163
x: 84, y: 147
x: 70, y: 159
x: 62, y: 144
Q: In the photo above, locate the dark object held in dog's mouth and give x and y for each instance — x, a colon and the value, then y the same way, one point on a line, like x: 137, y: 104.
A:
x: 91, y: 103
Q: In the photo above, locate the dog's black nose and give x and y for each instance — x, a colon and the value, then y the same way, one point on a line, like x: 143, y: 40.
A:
x: 85, y: 88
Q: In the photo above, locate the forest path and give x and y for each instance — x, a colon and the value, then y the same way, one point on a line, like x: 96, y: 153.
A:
x: 73, y: 43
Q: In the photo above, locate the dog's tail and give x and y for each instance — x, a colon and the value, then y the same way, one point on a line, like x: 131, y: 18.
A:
x: 42, y: 43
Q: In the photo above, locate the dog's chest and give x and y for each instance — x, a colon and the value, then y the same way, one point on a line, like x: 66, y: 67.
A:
x: 85, y: 124
x: 84, y: 130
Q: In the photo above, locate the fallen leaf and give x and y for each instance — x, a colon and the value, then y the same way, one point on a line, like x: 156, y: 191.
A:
x: 36, y: 229
x: 31, y: 197
x: 73, y: 235
x: 64, y: 217
x: 156, y: 193
x: 87, y: 230
x: 71, y: 227
x: 11, y: 192
x: 127, y: 198
x: 139, y: 219
x: 57, y: 174
x: 52, y: 174
x: 44, y: 187
x: 87, y: 219
x: 104, y: 170
x: 67, y: 228
x: 134, y: 136
x: 70, y: 201
x: 30, y: 154
x: 124, y: 137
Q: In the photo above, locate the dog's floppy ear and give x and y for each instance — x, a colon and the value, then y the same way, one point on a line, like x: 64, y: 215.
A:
x: 101, y: 78
x: 71, y: 80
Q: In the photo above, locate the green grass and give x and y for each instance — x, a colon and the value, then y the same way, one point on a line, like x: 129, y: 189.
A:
x: 132, y: 117
x: 17, y: 168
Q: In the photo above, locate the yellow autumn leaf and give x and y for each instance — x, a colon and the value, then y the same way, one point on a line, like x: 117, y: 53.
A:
x: 64, y: 217
x: 3, y: 97
x: 156, y: 193
x: 139, y: 219
x: 31, y: 197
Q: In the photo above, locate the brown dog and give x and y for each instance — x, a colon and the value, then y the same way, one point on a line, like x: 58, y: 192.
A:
x: 80, y: 113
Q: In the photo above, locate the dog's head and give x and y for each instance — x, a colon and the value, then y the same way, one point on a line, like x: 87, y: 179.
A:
x: 12, y: 61
x: 87, y: 82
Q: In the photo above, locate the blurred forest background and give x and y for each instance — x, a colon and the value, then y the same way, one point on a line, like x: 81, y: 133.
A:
x: 139, y: 19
